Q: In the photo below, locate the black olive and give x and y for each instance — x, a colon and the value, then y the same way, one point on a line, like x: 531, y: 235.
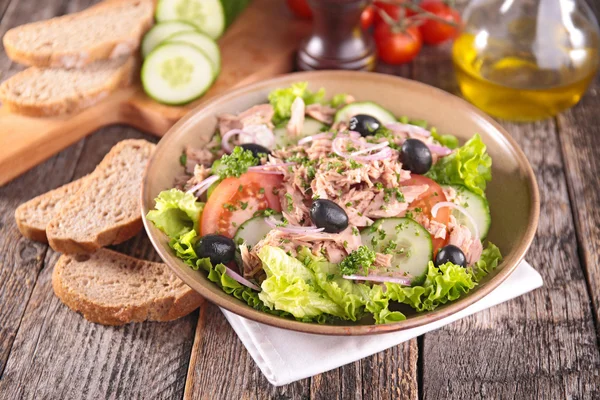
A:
x: 218, y: 248
x: 415, y: 156
x: 451, y: 253
x: 328, y: 215
x: 364, y: 124
x: 256, y: 149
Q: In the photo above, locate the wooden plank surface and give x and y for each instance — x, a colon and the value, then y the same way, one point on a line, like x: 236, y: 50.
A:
x: 579, y: 132
x: 540, y: 345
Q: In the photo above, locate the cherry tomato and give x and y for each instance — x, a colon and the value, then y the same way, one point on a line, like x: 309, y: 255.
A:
x: 367, y: 17
x: 393, y: 10
x: 397, y: 47
x: 436, y: 32
x: 300, y: 8
x: 235, y: 200
x: 425, y: 202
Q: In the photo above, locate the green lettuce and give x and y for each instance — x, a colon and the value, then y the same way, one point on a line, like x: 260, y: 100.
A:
x: 176, y: 213
x: 468, y: 165
x: 282, y: 99
x: 445, y: 283
x: 449, y: 141
x: 290, y: 286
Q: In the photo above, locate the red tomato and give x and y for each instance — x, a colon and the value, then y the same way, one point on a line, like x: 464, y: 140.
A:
x: 300, y: 8
x: 367, y: 17
x: 436, y: 32
x: 397, y: 47
x: 425, y: 202
x: 235, y: 200
x: 393, y: 10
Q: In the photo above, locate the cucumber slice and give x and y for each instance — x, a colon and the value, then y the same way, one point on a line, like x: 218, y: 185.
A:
x: 406, y: 239
x: 365, y: 107
x: 310, y: 127
x: 162, y: 31
x: 176, y: 73
x: 477, y: 207
x: 201, y: 41
x: 209, y: 16
x: 253, y: 230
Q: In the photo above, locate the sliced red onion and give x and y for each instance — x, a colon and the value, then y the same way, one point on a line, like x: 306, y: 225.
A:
x: 264, y: 169
x: 309, y: 139
x: 273, y: 223
x: 369, y: 148
x: 203, y: 186
x: 383, y: 153
x: 378, y: 278
x: 240, y: 279
x: 234, y: 132
x: 442, y: 204
x: 439, y: 150
x: 408, y: 128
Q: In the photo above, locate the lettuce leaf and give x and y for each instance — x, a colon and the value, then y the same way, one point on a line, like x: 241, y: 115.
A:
x: 290, y: 286
x: 449, y: 141
x: 443, y: 284
x: 282, y: 99
x: 176, y: 213
x: 490, y: 258
x: 468, y: 165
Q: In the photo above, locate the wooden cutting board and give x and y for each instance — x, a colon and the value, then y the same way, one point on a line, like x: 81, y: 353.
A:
x: 260, y: 44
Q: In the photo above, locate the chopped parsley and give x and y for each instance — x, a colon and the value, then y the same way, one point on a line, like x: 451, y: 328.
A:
x: 349, y: 204
x: 363, y: 257
x: 236, y: 163
x: 183, y: 159
x: 261, y: 190
x: 243, y: 205
x: 265, y: 213
x: 354, y: 164
x: 229, y: 207
x: 241, y: 188
x: 355, y: 231
x: 290, y: 204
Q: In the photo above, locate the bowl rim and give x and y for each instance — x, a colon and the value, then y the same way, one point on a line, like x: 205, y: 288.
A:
x: 509, y: 263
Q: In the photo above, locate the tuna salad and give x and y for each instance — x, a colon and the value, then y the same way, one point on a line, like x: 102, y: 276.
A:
x: 332, y: 210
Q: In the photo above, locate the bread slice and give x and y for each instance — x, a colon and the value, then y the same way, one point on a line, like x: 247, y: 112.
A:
x: 113, y: 289
x: 44, y: 92
x: 109, y: 30
x: 106, y: 209
x: 33, y: 216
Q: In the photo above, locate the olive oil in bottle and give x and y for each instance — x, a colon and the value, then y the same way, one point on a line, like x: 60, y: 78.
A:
x: 527, y: 67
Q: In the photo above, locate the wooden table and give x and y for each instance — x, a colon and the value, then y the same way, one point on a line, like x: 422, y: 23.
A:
x: 542, y: 345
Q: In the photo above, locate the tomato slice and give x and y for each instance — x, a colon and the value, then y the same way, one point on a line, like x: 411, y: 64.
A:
x: 235, y: 200
x: 425, y: 202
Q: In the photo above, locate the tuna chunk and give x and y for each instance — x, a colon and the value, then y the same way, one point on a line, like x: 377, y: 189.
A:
x: 321, y: 113
x: 462, y: 237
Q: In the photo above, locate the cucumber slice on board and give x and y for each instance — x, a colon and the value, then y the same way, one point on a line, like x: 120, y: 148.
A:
x: 203, y: 42
x: 406, y: 239
x: 253, y: 230
x: 365, y: 107
x: 310, y: 127
x: 176, y: 73
x: 209, y: 16
x: 477, y: 207
x: 162, y: 31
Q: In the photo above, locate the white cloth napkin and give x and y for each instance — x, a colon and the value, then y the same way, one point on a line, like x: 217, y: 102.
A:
x: 286, y: 356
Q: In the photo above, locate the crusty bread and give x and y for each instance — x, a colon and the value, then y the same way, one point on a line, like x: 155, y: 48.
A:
x: 109, y: 30
x: 106, y: 209
x: 33, y: 216
x: 113, y: 289
x: 44, y: 92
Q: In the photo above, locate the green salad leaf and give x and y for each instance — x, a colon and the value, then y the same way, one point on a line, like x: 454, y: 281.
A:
x: 468, y: 165
x: 446, y: 283
x: 282, y: 99
x: 176, y: 212
x: 450, y: 141
x: 290, y: 286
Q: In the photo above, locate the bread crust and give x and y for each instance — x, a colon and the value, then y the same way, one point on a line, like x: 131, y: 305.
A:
x: 158, y: 309
x: 121, y: 78
x: 118, y: 233
x: 102, y: 50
